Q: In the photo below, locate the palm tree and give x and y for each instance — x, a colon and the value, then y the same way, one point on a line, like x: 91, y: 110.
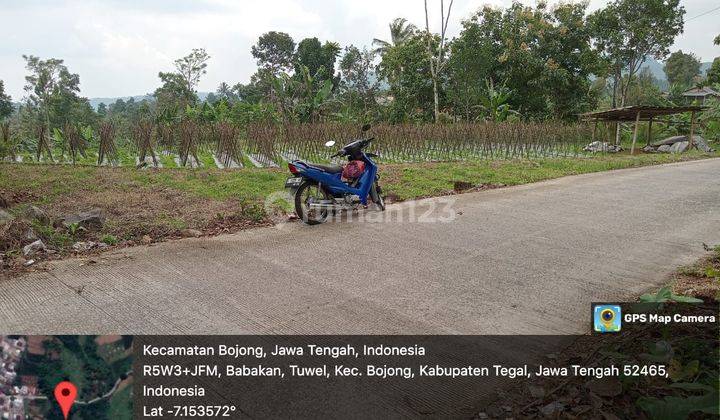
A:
x: 224, y: 90
x: 400, y: 31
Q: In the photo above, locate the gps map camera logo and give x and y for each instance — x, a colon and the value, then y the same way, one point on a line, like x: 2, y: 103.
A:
x: 607, y: 318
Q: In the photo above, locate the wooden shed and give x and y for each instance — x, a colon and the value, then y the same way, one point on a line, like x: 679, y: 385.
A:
x: 639, y: 113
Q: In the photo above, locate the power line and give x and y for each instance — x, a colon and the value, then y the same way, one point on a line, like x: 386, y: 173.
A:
x: 703, y: 14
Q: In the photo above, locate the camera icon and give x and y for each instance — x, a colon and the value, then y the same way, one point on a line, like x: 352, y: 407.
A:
x: 607, y: 318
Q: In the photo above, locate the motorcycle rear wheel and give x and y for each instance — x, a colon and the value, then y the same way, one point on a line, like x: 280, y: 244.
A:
x: 376, y: 195
x: 304, y: 196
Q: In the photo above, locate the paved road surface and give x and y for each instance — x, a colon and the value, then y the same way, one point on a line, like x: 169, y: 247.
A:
x: 526, y: 259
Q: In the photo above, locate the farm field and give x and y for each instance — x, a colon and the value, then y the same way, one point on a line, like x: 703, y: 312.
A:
x: 226, y: 145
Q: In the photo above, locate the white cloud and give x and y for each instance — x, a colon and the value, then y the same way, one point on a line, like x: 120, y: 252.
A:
x: 118, y: 47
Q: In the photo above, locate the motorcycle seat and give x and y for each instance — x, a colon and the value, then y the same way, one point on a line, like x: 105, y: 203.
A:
x: 332, y: 169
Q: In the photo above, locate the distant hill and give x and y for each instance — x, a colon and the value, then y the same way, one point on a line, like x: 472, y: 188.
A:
x: 656, y: 68
x: 95, y: 102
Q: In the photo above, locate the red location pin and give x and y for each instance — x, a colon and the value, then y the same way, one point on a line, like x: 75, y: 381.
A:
x: 65, y: 393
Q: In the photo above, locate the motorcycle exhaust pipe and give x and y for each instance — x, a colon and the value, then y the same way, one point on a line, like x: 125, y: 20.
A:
x: 328, y: 206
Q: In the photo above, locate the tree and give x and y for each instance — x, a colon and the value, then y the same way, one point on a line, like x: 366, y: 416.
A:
x: 407, y: 67
x: 274, y: 52
x: 682, y: 68
x: 400, y: 31
x: 713, y: 73
x: 173, y: 96
x: 6, y: 106
x: 318, y: 58
x: 544, y: 58
x: 717, y: 40
x: 644, y: 90
x: 225, y: 91
x: 359, y: 82
x: 192, y: 67
x: 178, y: 89
x: 627, y: 32
x: 436, y: 53
x: 53, y: 97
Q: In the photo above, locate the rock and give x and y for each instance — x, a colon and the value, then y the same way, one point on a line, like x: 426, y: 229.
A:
x: 5, y: 217
x: 698, y: 141
x: 85, y: 246
x: 679, y: 147
x: 702, y: 144
x: 30, y: 235
x: 649, y: 149
x: 670, y: 141
x: 552, y: 408
x: 34, y: 248
x: 37, y: 214
x: 28, y: 263
x: 146, y: 240
x: 597, y: 146
x: 665, y: 148
x: 190, y: 233
x: 90, y: 220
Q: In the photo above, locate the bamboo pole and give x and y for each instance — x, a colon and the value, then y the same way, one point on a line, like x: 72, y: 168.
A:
x: 635, y: 133
x: 692, y: 129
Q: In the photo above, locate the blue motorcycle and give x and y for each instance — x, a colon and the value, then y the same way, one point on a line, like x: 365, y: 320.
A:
x: 319, y: 189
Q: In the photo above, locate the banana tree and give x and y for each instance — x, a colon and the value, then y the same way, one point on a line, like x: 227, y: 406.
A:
x: 315, y: 104
x: 495, y: 104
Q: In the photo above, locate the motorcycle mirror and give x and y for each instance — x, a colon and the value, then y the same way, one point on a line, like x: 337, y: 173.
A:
x: 330, y: 143
x: 366, y: 127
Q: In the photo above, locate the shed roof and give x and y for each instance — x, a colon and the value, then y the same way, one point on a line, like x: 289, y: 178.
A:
x: 701, y: 92
x: 629, y: 113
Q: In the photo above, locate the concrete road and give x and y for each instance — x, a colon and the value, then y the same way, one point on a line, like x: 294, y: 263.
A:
x: 526, y: 259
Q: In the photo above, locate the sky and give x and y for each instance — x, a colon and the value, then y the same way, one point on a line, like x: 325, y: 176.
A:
x: 119, y: 46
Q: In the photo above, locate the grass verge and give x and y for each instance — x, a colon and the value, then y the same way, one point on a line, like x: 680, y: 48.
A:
x: 156, y: 204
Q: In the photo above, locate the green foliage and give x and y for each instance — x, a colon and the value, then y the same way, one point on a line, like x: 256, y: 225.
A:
x: 316, y: 59
x: 644, y: 91
x: 682, y: 68
x: 544, y: 57
x: 109, y: 240
x: 6, y: 106
x: 74, y: 229
x: 400, y: 31
x: 274, y: 52
x: 666, y: 295
x: 495, y: 104
x: 52, y: 237
x: 710, y: 120
x: 626, y: 32
x: 407, y: 67
x: 359, y: 84
x: 713, y: 73
x: 672, y: 407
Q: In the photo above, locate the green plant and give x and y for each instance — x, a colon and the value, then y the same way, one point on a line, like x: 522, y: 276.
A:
x: 75, y: 228
x: 109, y: 239
x: 54, y: 238
x: 666, y: 295
x: 252, y: 210
x: 681, y: 407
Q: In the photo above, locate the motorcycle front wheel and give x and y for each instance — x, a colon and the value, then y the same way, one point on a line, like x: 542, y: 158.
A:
x: 305, y: 195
